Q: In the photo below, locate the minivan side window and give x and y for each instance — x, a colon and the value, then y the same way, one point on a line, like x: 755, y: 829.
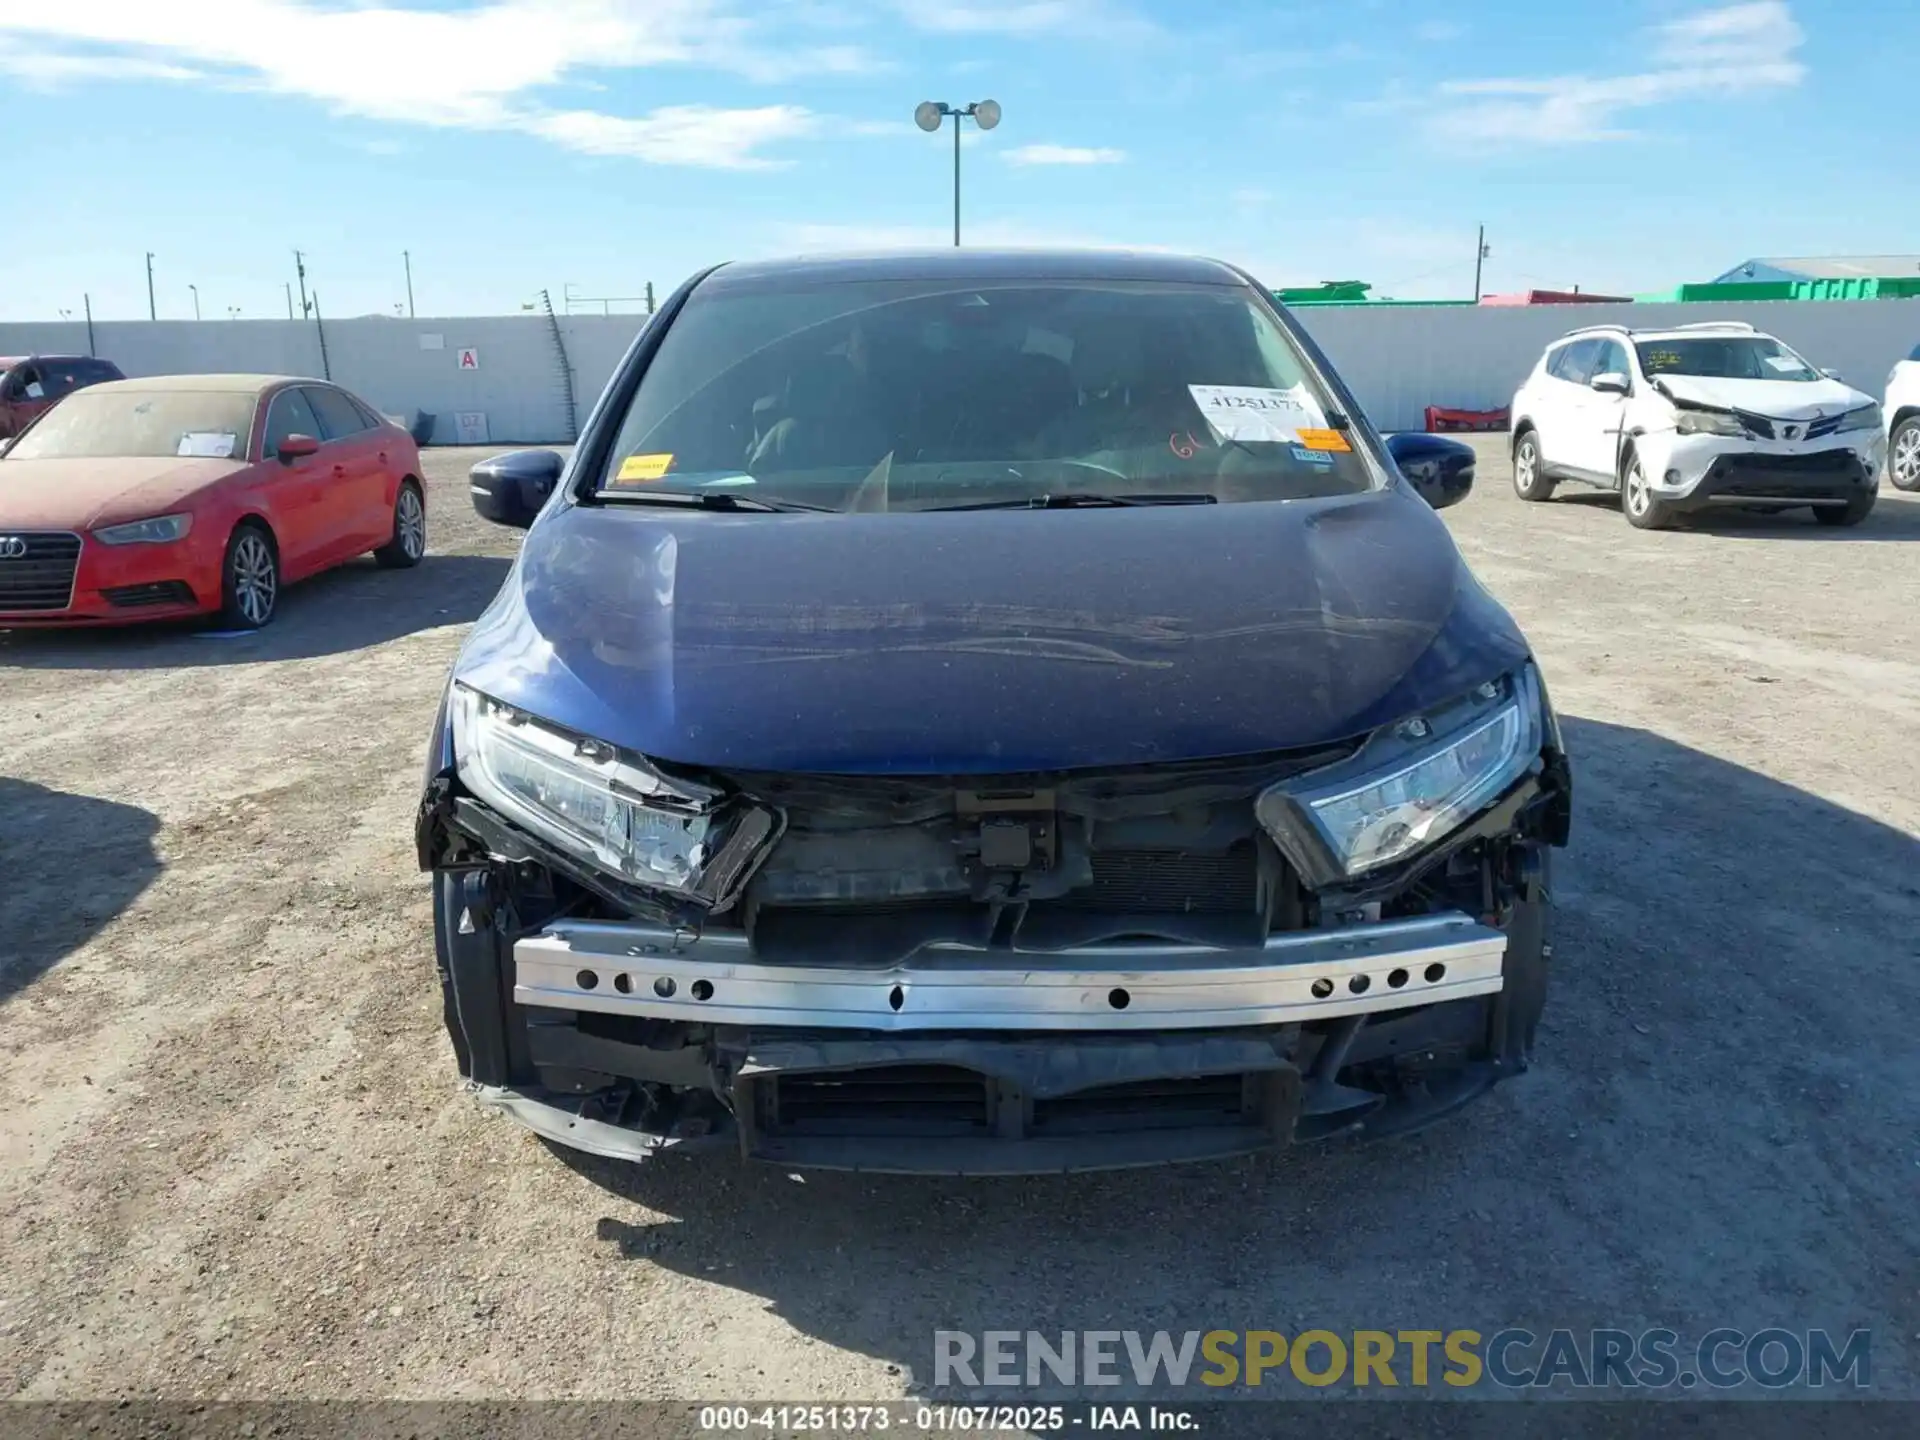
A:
x: 339, y: 417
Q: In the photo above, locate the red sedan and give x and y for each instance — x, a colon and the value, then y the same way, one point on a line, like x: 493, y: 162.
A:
x: 198, y: 495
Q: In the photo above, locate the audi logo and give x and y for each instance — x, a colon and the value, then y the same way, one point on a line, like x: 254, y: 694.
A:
x: 12, y: 547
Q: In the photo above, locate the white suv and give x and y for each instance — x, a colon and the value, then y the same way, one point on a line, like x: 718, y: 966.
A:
x: 1903, y: 423
x: 1682, y: 419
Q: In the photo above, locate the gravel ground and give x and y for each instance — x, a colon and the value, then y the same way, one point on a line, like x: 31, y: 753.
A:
x: 236, y: 1162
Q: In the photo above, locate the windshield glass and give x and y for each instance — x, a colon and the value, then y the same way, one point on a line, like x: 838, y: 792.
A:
x: 94, y: 424
x: 916, y: 395
x: 1724, y: 357
x: 63, y: 377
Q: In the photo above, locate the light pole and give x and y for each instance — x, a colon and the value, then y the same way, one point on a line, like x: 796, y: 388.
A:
x: 196, y: 300
x: 406, y: 258
x: 930, y: 115
x: 1480, y: 254
x: 152, y: 312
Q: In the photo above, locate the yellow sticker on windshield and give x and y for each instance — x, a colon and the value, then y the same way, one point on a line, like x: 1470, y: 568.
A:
x: 644, y: 467
x: 1324, y: 440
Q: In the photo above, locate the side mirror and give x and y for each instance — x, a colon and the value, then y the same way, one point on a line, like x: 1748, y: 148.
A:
x: 1440, y: 469
x: 297, y: 447
x: 1611, y: 383
x: 509, y: 489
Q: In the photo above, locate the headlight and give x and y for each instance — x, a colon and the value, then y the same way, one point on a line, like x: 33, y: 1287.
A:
x: 146, y: 532
x: 603, y: 806
x: 1867, y: 417
x: 1708, y: 422
x: 1348, y: 826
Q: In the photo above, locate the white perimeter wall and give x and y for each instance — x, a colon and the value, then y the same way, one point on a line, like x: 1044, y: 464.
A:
x: 1397, y: 360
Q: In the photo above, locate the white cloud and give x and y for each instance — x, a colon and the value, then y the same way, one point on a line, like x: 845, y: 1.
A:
x: 1092, y: 18
x: 1732, y: 50
x: 478, y: 68
x: 1063, y: 155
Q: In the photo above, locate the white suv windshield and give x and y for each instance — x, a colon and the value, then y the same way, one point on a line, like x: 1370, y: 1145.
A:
x: 1724, y: 357
x: 926, y: 394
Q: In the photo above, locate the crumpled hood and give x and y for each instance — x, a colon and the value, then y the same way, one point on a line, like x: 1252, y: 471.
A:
x: 987, y: 641
x: 1776, y: 399
x: 79, y: 494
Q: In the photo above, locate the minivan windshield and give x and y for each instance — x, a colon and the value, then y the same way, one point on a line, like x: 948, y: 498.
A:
x: 944, y: 393
x: 1724, y: 357
x: 98, y: 424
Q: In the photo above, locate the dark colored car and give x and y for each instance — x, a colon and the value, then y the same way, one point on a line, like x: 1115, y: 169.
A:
x: 31, y: 383
x: 984, y: 713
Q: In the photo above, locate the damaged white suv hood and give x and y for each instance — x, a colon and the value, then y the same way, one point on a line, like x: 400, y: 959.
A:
x: 1776, y: 399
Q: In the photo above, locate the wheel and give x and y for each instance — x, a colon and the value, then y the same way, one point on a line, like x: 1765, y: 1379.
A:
x: 1644, y: 510
x: 1852, y: 513
x: 1903, y: 454
x: 409, y: 540
x: 1530, y: 479
x: 250, y: 579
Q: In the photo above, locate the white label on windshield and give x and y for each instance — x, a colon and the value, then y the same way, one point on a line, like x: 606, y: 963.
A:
x: 1246, y: 412
x: 208, y: 444
x: 1784, y: 363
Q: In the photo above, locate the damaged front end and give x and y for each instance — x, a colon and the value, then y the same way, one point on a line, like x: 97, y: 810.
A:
x: 1005, y: 974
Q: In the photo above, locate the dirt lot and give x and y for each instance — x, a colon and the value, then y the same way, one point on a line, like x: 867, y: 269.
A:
x: 235, y: 1161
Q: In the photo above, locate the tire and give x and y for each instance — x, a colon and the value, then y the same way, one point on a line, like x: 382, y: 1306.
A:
x: 1852, y: 513
x: 409, y: 542
x: 1903, y: 454
x: 249, y: 578
x: 1644, y: 510
x: 1530, y: 480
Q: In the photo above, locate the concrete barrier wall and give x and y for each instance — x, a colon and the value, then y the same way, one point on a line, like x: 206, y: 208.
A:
x: 1398, y: 361
x: 517, y: 385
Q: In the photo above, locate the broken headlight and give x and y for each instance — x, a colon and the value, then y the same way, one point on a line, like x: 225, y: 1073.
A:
x: 1417, y: 782
x: 592, y: 801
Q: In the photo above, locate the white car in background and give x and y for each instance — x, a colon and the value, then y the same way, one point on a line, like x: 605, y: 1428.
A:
x: 1903, y: 423
x: 1683, y: 419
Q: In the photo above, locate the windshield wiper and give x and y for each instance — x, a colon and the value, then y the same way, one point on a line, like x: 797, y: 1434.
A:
x: 704, y: 500
x: 1079, y: 500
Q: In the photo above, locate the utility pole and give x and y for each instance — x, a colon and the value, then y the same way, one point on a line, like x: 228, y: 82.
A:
x: 152, y: 312
x: 289, y: 285
x: 1480, y: 253
x: 407, y: 258
x: 300, y: 268
x: 87, y: 300
x: 649, y: 297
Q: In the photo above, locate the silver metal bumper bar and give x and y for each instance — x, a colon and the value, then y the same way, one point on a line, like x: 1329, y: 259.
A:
x: 712, y: 979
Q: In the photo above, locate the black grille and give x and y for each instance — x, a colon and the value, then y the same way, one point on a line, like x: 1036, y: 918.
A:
x: 1145, y: 1104
x: 40, y: 576
x: 160, y: 592
x: 1825, y: 426
x: 1170, y: 882
x: 928, y: 1100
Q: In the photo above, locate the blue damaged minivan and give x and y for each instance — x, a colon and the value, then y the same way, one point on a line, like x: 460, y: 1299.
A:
x: 987, y: 712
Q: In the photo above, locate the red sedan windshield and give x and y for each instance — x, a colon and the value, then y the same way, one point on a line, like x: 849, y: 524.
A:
x: 95, y: 424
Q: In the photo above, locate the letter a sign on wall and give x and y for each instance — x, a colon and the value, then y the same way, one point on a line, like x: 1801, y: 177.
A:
x: 469, y: 359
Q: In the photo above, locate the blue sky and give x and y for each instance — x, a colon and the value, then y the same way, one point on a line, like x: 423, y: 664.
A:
x: 601, y: 144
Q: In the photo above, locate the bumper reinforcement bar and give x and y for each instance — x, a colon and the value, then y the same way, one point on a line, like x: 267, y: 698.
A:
x: 651, y: 972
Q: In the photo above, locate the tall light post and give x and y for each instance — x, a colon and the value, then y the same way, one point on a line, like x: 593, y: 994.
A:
x: 930, y: 115
x: 153, y: 312
x: 196, y: 300
x: 1481, y: 252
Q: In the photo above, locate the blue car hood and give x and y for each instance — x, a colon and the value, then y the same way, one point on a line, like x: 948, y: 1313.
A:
x: 987, y: 641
